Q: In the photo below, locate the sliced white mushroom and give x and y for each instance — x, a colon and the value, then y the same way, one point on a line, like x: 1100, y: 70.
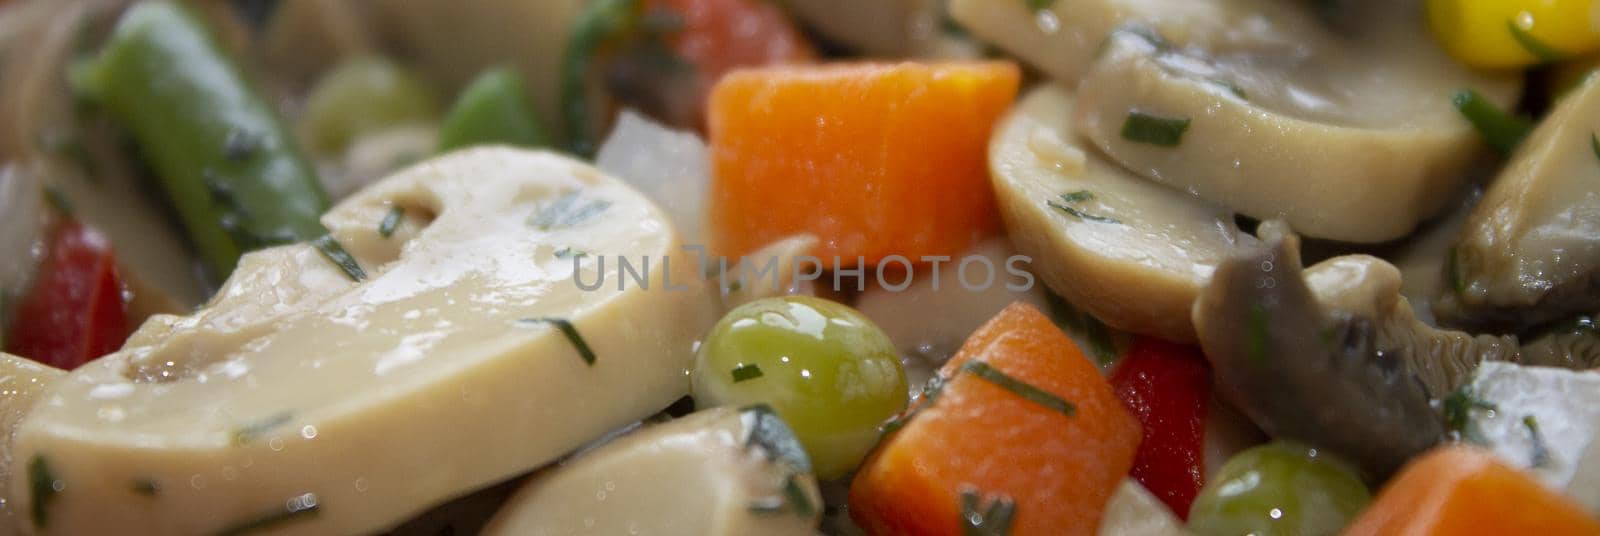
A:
x: 1347, y: 138
x: 21, y: 381
x: 1546, y: 421
x: 1134, y: 511
x: 718, y: 472
x: 1129, y: 251
x: 1063, y: 38
x: 299, y: 391
x: 1531, y: 249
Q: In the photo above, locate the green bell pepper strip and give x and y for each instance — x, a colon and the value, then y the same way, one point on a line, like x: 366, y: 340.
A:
x: 221, y: 155
x: 494, y: 108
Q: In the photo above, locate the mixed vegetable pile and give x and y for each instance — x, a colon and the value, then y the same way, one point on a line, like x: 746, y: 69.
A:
x: 737, y: 267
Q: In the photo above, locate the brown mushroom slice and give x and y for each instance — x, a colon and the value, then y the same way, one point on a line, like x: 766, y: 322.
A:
x: 1302, y: 374
x: 1530, y: 252
x: 1129, y: 251
x: 1352, y: 139
x: 1063, y: 38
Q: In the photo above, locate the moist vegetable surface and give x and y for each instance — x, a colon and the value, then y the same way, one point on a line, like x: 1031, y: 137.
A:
x: 741, y: 267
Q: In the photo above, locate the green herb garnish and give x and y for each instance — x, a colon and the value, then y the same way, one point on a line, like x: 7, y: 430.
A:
x: 1458, y: 408
x: 255, y: 430
x: 1594, y: 144
x: 1020, y: 388
x: 45, y: 487
x: 391, y: 221
x: 796, y: 496
x: 568, y: 253
x: 330, y: 248
x: 1230, y: 86
x: 1499, y: 129
x: 1155, y: 130
x: 1069, y: 199
x: 930, y: 393
x: 1039, y: 5
x: 1535, y: 47
x: 146, y: 487
x: 570, y: 332
x: 992, y: 520
x: 748, y: 371
x: 58, y: 200
x: 1255, y: 342
x: 1541, y: 453
x: 296, y: 507
x: 565, y: 211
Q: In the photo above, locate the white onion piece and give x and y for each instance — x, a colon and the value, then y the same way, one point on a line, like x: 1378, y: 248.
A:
x: 22, y: 205
x: 673, y: 168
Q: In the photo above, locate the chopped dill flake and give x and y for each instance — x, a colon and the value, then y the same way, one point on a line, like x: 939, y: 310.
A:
x: 391, y: 221
x: 565, y: 211
x: 1020, y: 388
x: 746, y: 372
x: 1541, y: 453
x: 570, y: 332
x: 1458, y: 408
x: 1499, y: 129
x: 253, y: 431
x: 1039, y: 5
x: 45, y: 487
x: 993, y: 520
x: 569, y: 253
x: 58, y: 200
x: 1069, y: 199
x: 1154, y: 130
x: 797, y: 497
x: 330, y: 248
x: 930, y: 393
x: 1538, y: 49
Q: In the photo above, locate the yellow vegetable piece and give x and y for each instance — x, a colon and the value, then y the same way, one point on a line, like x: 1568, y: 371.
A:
x: 1514, y: 33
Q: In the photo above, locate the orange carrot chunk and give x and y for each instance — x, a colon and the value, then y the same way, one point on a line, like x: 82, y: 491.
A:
x: 1466, y: 490
x: 873, y: 159
x: 1024, y: 436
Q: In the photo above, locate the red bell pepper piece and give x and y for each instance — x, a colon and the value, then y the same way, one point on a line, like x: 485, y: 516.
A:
x: 75, y: 311
x: 1167, y: 387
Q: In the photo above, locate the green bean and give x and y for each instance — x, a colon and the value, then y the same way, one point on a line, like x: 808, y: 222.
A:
x: 222, y: 157
x: 493, y: 109
x: 600, y: 23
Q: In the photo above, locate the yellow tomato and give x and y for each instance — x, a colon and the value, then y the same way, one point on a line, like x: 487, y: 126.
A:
x: 1515, y: 33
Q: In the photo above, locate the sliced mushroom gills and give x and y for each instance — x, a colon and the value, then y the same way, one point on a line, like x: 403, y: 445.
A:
x: 303, y: 400
x: 1129, y: 251
x: 1347, y: 138
x: 1301, y: 373
x: 1366, y: 389
x: 1530, y: 252
x: 718, y: 472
